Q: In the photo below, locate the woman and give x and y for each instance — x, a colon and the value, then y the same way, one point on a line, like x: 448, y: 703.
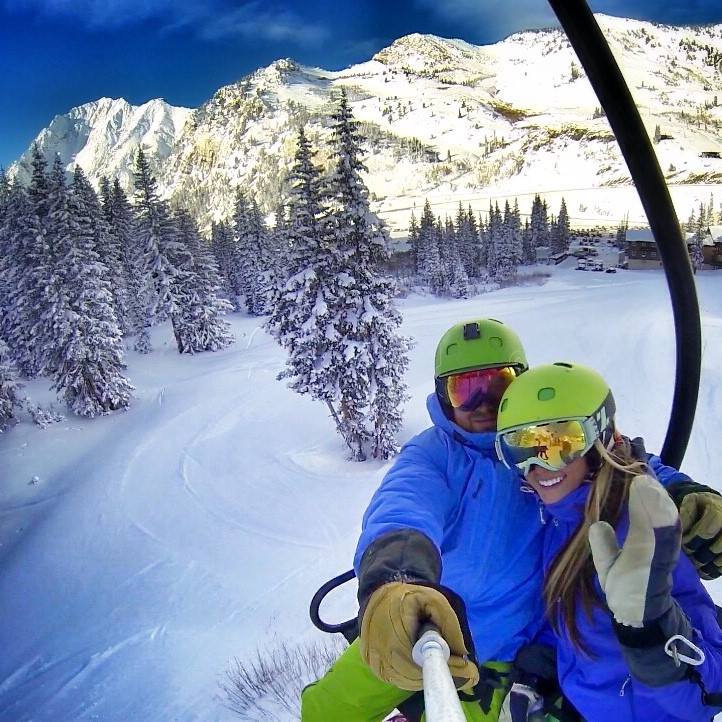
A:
x: 635, y: 632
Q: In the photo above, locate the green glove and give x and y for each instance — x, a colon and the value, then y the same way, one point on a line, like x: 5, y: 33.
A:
x: 390, y: 627
x: 700, y: 511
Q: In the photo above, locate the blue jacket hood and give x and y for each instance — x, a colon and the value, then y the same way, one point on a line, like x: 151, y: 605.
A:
x: 484, y: 441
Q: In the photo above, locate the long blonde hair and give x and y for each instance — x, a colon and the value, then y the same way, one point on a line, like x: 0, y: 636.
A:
x: 570, y: 580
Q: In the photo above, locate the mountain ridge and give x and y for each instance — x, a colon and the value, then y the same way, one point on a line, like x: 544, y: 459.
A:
x: 443, y: 119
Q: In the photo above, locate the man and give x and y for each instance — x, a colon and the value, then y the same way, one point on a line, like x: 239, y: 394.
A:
x: 449, y: 537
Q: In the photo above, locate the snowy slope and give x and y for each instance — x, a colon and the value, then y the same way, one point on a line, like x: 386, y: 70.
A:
x: 444, y: 119
x: 160, y: 542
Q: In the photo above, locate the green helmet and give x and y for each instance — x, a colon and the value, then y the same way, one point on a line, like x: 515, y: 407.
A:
x: 556, y: 392
x: 482, y: 343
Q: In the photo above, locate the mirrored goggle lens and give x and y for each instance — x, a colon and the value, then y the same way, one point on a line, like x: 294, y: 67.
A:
x: 552, y: 445
x: 471, y: 388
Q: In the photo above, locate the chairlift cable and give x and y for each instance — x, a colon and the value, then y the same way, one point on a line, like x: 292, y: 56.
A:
x: 603, y: 72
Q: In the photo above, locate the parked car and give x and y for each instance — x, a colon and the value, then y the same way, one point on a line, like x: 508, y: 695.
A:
x: 611, y: 269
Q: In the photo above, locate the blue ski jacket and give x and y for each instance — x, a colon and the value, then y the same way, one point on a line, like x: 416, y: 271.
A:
x: 448, y: 484
x: 600, y: 685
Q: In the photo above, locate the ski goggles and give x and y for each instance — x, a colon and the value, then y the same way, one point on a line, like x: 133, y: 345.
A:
x: 470, y: 389
x: 551, y: 445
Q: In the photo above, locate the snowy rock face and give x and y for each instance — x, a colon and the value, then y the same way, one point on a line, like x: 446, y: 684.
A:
x: 444, y: 119
x: 102, y: 137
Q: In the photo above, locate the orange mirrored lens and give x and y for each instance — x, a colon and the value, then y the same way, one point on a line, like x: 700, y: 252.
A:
x: 472, y: 388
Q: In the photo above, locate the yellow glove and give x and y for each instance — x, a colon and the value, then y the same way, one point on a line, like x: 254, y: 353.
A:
x: 701, y: 515
x: 390, y: 627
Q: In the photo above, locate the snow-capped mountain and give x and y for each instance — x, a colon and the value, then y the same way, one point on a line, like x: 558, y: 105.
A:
x: 103, y: 135
x: 444, y: 119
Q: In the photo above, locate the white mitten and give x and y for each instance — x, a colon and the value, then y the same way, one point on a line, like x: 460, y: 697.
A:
x: 637, y: 580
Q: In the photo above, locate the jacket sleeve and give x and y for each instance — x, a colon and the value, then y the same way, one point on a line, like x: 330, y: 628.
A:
x: 403, y: 527
x: 698, y: 695
x: 668, y: 476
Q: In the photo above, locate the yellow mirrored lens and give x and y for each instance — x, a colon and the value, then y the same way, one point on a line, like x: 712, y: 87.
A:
x: 556, y: 443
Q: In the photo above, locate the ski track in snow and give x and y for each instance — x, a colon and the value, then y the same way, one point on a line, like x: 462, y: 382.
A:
x: 196, y: 526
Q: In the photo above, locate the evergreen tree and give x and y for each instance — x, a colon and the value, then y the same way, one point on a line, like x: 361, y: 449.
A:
x: 429, y: 257
x: 89, y: 353
x: 156, y: 237
x: 301, y: 319
x: 482, y: 253
x: 465, y: 241
x: 197, y: 318
x: 225, y: 252
x: 414, y: 244
x: 22, y: 280
x: 367, y: 359
x: 56, y: 319
x: 562, y: 235
x: 121, y: 220
x: 528, y: 255
x: 254, y: 260
x: 493, y: 240
x: 710, y: 211
x: 505, y: 246
x: 696, y: 243
x: 9, y: 388
x: 456, y: 282
x: 107, y: 245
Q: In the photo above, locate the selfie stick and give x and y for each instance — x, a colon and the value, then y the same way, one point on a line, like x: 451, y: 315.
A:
x: 431, y: 653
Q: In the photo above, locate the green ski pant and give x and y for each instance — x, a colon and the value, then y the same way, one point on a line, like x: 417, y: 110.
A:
x: 351, y: 692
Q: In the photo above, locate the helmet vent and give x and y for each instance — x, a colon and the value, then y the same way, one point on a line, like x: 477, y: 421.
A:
x: 563, y: 363
x: 546, y: 394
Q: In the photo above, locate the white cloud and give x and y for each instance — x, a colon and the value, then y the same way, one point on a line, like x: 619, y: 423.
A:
x: 211, y: 20
x: 493, y: 18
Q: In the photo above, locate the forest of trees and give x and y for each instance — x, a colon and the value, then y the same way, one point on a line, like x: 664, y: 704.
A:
x: 87, y: 275
x: 449, y: 257
x: 81, y: 271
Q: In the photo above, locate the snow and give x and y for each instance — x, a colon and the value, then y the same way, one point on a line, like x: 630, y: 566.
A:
x: 141, y: 551
x: 522, y: 90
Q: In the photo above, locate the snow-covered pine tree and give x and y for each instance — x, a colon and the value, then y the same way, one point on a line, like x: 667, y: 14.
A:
x: 474, y: 240
x: 482, y: 249
x: 527, y: 250
x: 253, y: 259
x: 56, y: 319
x: 9, y: 387
x: 493, y: 239
x: 515, y: 230
x: 89, y: 371
x: 225, y: 252
x: 121, y: 219
x: 368, y: 358
x: 504, y: 248
x: 414, y: 244
x: 457, y: 280
x: 428, y: 255
x: 156, y: 237
x: 465, y: 240
x: 4, y: 193
x: 108, y: 248
x: 695, y: 244
x: 22, y: 281
x: 563, y: 234
x: 197, y: 316
x: 301, y: 319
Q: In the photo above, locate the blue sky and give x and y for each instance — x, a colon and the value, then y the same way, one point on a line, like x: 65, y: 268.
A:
x: 56, y: 54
